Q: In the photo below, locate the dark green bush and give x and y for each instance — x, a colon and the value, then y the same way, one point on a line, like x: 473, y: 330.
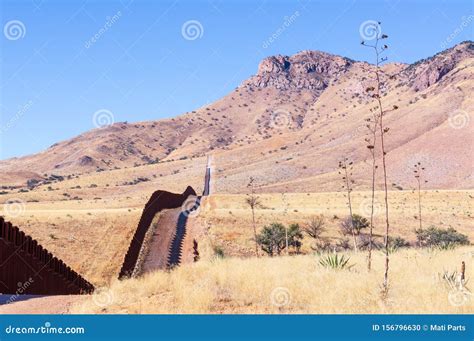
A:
x: 442, y: 238
x: 272, y: 238
x: 295, y: 235
x: 397, y: 242
x: 358, y: 222
x: 218, y: 251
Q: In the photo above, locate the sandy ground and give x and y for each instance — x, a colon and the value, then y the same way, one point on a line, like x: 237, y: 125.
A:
x: 41, y: 305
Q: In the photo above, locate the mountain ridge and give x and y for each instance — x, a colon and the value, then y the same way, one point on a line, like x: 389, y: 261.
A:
x: 310, y: 101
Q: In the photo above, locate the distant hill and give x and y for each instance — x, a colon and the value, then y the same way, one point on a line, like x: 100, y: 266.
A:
x: 289, y: 124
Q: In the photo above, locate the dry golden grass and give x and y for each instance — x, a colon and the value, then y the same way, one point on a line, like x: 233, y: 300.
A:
x: 290, y: 285
x: 229, y: 218
x: 92, y: 241
x: 92, y: 236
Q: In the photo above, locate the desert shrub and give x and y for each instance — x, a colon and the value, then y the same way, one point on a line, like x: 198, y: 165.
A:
x: 358, y: 223
x: 336, y: 262
x: 272, y: 239
x: 343, y: 245
x: 397, y: 242
x: 295, y: 236
x: 364, y: 242
x: 322, y: 247
x: 440, y: 238
x: 315, y: 227
x: 218, y: 251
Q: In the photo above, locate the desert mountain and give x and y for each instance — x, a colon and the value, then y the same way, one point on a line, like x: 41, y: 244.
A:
x: 289, y: 125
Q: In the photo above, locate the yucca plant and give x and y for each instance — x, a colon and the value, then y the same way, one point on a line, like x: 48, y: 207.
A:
x: 336, y: 262
x: 452, y: 280
x: 455, y: 283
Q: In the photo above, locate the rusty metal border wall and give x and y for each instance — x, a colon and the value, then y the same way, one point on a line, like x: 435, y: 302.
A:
x: 28, y: 268
x: 158, y: 201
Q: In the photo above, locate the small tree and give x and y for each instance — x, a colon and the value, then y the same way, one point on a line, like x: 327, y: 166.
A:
x: 345, y: 169
x: 295, y: 236
x: 354, y: 226
x: 272, y: 239
x: 315, y: 227
x: 418, y: 172
x: 253, y: 201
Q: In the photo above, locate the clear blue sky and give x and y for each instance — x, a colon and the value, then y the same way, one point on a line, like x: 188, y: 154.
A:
x: 142, y: 68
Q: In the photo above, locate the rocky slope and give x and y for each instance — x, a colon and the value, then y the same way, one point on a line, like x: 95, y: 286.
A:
x: 289, y: 124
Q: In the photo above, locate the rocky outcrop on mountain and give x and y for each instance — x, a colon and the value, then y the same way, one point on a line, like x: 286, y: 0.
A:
x: 427, y: 72
x: 305, y: 70
x: 86, y: 161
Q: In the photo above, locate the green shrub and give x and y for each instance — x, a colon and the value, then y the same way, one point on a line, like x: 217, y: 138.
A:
x: 358, y: 222
x: 440, y: 238
x: 272, y: 238
x: 218, y: 251
x: 397, y: 242
x: 295, y: 235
